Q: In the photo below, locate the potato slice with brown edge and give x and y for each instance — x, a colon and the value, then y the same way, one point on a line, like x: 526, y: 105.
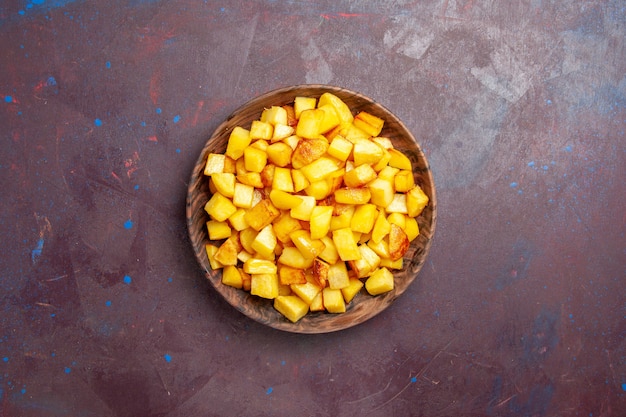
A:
x: 398, y: 242
x: 288, y: 275
x: 307, y: 151
x: 320, y: 272
x: 261, y: 215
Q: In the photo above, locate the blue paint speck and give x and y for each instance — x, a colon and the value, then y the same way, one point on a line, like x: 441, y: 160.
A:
x: 269, y: 390
x: 51, y: 81
x: 97, y: 122
x: 176, y: 118
x: 568, y: 148
x: 107, y: 303
x: 21, y: 12
x: 136, y: 187
x: 548, y: 102
x: 8, y: 99
x: 531, y: 164
x: 624, y: 387
x: 127, y: 279
x: 68, y: 370
x: 177, y: 150
x: 128, y: 224
x: 545, y: 167
x: 5, y: 359
x: 23, y: 391
x: 283, y: 363
x: 170, y: 279
x: 38, y: 2
x: 513, y: 184
x: 158, y: 110
x: 108, y: 64
x: 167, y: 358
x: 143, y: 124
x: 413, y: 380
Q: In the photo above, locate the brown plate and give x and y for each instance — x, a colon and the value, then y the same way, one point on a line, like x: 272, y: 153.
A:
x: 363, y: 306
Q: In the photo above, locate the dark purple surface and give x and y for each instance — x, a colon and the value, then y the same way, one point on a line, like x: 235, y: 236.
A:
x: 519, y: 106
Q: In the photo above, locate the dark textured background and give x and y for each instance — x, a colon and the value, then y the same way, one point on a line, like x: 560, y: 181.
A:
x: 520, y: 107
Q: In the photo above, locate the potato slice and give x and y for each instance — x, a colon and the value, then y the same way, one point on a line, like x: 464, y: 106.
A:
x: 380, y: 282
x: 232, y: 277
x: 261, y: 214
x: 346, y: 244
x: 238, y: 140
x: 398, y: 242
x: 307, y: 151
x: 353, y: 196
x: 320, y: 272
x: 368, y: 123
x: 291, y: 306
x: 333, y: 300
x: 288, y: 275
x: 416, y: 200
x: 264, y: 285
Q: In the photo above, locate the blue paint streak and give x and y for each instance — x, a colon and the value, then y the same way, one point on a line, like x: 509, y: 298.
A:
x: 128, y: 224
x: 543, y: 339
x: 36, y: 253
x: 167, y: 358
x: 127, y: 279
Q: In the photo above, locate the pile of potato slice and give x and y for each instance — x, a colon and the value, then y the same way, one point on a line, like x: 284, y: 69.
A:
x: 309, y: 204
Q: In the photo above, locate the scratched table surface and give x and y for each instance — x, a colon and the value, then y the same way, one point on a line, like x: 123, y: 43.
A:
x: 520, y: 107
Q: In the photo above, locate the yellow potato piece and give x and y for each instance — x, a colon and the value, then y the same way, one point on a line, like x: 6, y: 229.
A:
x: 380, y: 282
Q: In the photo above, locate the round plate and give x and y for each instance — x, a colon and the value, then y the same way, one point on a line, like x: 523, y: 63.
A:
x: 363, y: 306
